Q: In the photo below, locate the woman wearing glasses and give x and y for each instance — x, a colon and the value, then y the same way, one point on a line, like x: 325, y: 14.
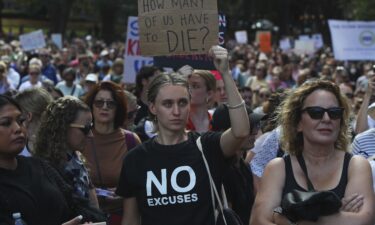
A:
x: 107, y: 148
x: 316, y: 118
x: 61, y: 137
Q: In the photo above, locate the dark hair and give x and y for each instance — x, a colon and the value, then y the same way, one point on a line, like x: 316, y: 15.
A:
x: 145, y: 73
x: 6, y: 100
x: 118, y: 96
x: 70, y: 71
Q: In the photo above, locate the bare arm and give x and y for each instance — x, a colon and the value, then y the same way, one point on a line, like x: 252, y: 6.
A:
x: 269, y: 193
x: 361, y: 122
x: 232, y: 138
x: 131, y: 214
x: 93, y: 198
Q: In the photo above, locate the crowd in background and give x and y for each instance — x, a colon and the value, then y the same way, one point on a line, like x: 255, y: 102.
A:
x: 93, y: 72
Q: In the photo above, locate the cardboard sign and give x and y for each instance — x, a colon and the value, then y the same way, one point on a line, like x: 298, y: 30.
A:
x: 57, y: 39
x: 200, y: 61
x: 133, y: 60
x: 32, y: 40
x: 177, y: 27
x: 241, y: 37
x: 264, y: 40
x: 353, y: 40
x: 318, y: 40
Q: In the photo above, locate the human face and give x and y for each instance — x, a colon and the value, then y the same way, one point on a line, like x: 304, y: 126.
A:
x: 76, y: 135
x: 171, y: 108
x: 198, y: 90
x: 319, y: 131
x: 247, y: 96
x: 34, y: 76
x: 105, y: 113
x: 221, y: 95
x: 12, y: 131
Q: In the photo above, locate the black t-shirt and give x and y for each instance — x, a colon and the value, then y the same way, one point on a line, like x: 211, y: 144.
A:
x: 141, y: 113
x: 171, y: 183
x: 238, y: 183
x: 28, y: 190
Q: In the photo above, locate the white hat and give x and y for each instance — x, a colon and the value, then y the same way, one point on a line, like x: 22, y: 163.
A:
x: 104, y: 53
x: 92, y: 78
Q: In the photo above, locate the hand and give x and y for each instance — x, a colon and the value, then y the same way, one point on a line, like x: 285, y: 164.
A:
x: 371, y: 83
x: 185, y: 70
x: 280, y: 219
x: 352, y: 203
x: 220, y: 56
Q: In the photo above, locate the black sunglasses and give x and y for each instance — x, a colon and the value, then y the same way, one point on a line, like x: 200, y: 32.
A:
x: 317, y: 112
x: 84, y: 128
x: 100, y: 103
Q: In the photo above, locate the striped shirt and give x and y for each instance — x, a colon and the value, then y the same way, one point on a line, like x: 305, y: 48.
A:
x: 364, y: 143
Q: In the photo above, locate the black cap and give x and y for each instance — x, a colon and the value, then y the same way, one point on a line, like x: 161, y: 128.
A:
x: 221, y: 121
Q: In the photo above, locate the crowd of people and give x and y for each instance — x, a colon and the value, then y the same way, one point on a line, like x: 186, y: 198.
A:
x: 78, y: 144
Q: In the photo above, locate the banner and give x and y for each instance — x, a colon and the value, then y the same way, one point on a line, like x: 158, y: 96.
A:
x: 177, y: 27
x: 264, y: 40
x: 32, y: 40
x: 353, y: 40
x: 201, y: 61
x: 133, y: 59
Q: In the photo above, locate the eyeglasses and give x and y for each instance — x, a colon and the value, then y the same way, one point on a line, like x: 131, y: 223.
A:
x: 349, y: 95
x: 100, y: 103
x: 317, y: 112
x: 264, y: 95
x: 84, y: 128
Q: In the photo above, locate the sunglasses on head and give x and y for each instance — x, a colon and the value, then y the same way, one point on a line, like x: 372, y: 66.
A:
x: 100, y: 103
x: 317, y: 112
x: 84, y: 128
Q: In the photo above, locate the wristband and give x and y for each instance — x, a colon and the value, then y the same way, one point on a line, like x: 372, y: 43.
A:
x: 236, y: 106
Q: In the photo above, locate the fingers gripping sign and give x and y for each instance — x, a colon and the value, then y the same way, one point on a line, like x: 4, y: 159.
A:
x: 220, y: 57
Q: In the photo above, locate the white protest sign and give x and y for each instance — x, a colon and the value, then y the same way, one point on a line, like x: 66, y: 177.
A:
x: 57, y: 39
x: 318, y: 40
x: 133, y: 60
x: 304, y: 37
x: 241, y: 36
x: 33, y: 40
x: 353, y: 40
x: 285, y: 44
x: 304, y: 47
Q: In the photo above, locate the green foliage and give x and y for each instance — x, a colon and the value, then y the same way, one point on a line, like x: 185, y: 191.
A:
x: 363, y: 9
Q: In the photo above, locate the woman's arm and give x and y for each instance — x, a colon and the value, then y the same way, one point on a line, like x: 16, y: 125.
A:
x: 131, y: 214
x: 93, y: 198
x: 232, y: 138
x: 269, y: 193
x: 359, y: 181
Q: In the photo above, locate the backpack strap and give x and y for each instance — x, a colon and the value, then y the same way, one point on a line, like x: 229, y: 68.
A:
x: 130, y: 140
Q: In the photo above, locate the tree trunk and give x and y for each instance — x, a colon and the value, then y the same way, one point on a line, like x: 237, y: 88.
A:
x: 59, y: 11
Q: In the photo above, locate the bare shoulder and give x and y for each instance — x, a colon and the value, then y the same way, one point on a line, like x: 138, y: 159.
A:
x: 275, y: 167
x: 358, y: 162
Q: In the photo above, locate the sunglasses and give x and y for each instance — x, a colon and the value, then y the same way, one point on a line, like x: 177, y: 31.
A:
x: 100, y: 103
x: 84, y: 128
x: 317, y: 113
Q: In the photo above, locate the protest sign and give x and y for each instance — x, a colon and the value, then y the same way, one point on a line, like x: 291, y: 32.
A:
x: 353, y: 40
x: 318, y: 40
x: 304, y: 47
x: 57, y: 39
x: 133, y: 60
x: 177, y: 27
x: 284, y: 44
x: 264, y: 40
x: 32, y: 40
x: 200, y: 61
x: 303, y: 37
x: 241, y: 36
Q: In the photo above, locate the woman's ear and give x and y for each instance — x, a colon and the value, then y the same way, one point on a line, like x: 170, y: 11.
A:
x: 151, y: 107
x: 29, y: 116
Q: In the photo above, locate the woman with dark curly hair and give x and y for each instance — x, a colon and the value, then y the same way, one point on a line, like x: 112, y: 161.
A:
x: 110, y: 143
x: 315, y: 118
x: 61, y: 137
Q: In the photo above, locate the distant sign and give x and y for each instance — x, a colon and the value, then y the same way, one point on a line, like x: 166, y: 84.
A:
x: 318, y: 40
x: 133, y: 59
x: 241, y: 36
x: 264, y: 40
x: 353, y: 40
x: 285, y: 44
x: 177, y: 27
x: 32, y: 40
x: 304, y: 47
x: 57, y: 39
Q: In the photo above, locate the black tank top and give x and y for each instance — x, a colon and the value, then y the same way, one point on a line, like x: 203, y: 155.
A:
x: 291, y: 183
